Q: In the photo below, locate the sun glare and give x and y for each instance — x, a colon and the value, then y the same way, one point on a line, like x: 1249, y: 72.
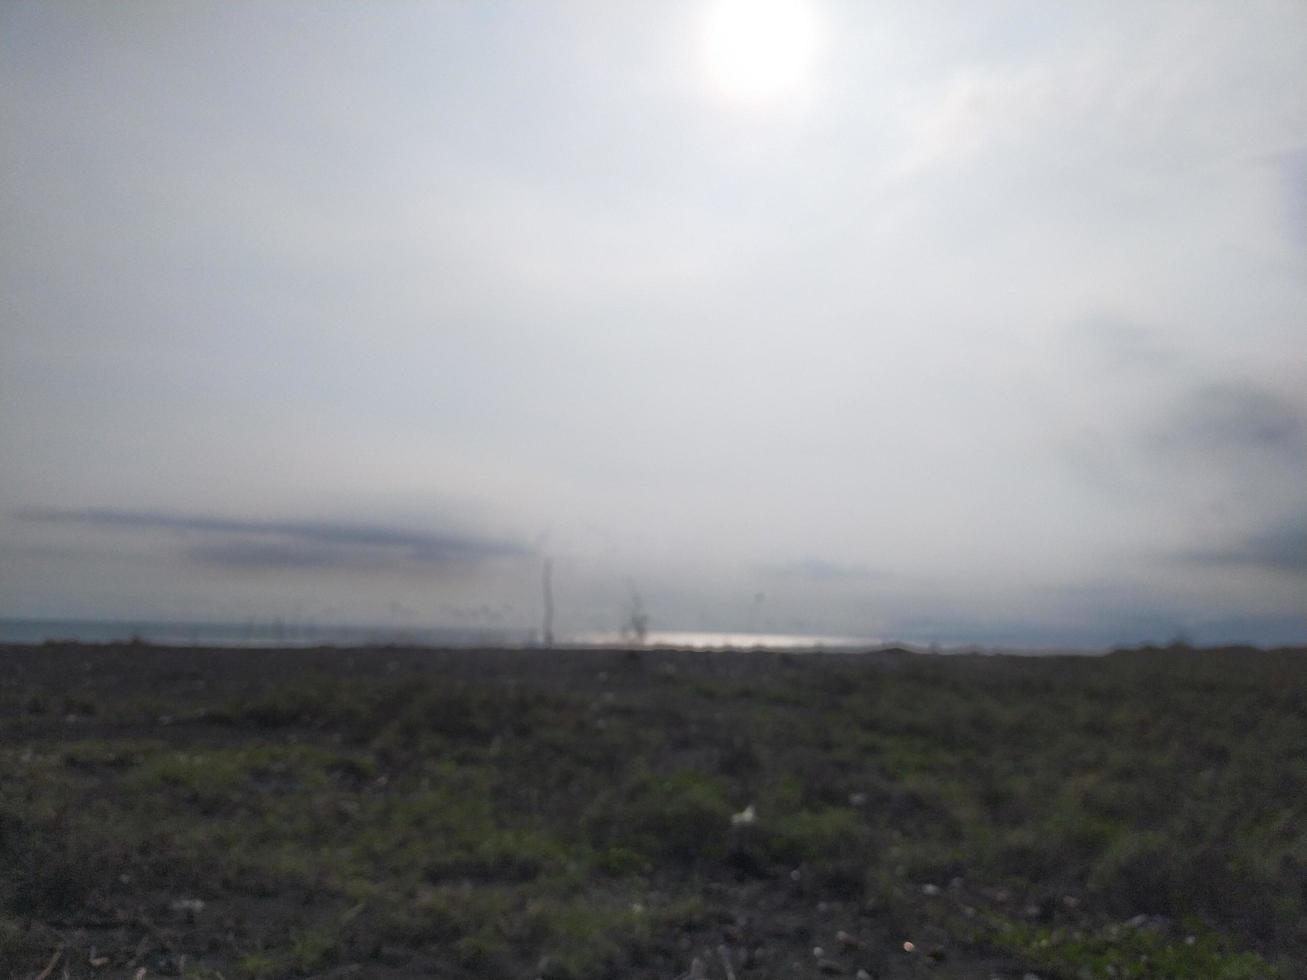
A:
x: 759, y: 50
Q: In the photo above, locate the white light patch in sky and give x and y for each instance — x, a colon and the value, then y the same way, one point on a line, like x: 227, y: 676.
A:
x: 756, y: 51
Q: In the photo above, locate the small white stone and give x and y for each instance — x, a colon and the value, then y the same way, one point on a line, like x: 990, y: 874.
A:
x: 745, y: 817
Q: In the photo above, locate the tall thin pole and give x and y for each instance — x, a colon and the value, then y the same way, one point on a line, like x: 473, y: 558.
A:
x: 548, y: 583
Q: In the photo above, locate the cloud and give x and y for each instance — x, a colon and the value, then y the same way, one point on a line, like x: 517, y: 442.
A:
x: 1281, y: 549
x: 819, y: 570
x: 1162, y: 430
x: 1113, y: 345
x: 1231, y: 415
x: 1293, y: 168
x: 291, y: 544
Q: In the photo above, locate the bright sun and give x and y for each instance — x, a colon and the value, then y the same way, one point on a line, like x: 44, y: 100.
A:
x: 759, y: 50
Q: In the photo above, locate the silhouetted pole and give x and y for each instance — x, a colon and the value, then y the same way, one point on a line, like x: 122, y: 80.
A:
x: 638, y: 621
x: 548, y: 584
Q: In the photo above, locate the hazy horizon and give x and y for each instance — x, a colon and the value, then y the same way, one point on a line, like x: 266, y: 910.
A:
x: 911, y: 321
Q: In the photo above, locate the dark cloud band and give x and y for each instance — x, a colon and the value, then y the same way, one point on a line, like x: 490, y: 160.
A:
x: 289, y: 543
x: 1282, y: 549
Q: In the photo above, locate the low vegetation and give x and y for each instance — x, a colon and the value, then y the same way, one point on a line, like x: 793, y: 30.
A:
x: 591, y: 814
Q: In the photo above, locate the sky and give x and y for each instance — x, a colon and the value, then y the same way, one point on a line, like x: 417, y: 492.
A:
x: 928, y: 321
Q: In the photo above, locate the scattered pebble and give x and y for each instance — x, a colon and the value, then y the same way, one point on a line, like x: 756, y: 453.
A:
x: 909, y: 946
x: 848, y: 940
x: 930, y: 889
x: 829, y: 966
x: 863, y: 975
x: 745, y: 817
x: 724, y: 954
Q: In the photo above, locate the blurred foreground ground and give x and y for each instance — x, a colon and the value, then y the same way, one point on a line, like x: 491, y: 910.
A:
x: 569, y: 814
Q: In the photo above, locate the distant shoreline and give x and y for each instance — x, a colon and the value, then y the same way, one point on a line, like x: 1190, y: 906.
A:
x: 308, y: 635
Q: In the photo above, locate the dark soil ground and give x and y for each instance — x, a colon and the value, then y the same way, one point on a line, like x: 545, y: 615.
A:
x: 577, y: 814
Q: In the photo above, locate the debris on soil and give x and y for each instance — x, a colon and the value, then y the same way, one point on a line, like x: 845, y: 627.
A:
x: 49, y: 967
x: 745, y: 817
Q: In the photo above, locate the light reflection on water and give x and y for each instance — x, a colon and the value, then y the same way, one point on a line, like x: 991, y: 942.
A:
x: 303, y: 634
x: 309, y: 634
x: 278, y: 633
x: 707, y: 640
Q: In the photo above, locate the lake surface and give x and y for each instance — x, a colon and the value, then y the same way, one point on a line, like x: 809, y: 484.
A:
x: 711, y: 640
x: 276, y: 633
x: 308, y: 634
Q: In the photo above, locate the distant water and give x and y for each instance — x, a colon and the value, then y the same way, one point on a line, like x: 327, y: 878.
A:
x: 300, y: 634
x: 708, y: 640
x: 253, y: 634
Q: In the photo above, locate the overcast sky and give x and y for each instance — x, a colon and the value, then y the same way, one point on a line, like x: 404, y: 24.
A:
x: 915, y: 320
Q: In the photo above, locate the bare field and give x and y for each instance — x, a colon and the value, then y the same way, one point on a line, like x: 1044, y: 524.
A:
x: 583, y: 814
